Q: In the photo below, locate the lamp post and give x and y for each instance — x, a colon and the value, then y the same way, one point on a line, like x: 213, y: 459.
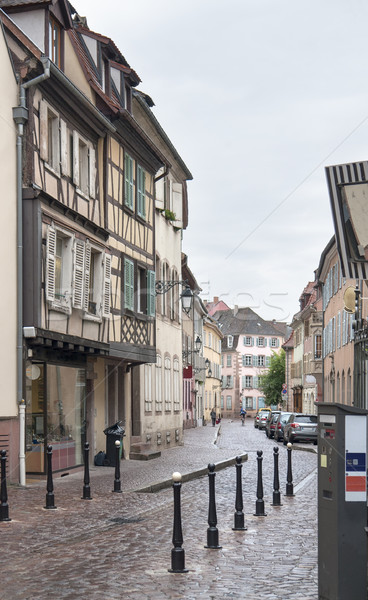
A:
x: 162, y: 287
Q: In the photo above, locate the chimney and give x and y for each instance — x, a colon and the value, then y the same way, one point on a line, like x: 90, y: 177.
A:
x: 215, y: 299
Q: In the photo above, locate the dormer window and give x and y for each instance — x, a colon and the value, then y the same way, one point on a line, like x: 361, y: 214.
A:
x: 230, y: 341
x: 55, y: 42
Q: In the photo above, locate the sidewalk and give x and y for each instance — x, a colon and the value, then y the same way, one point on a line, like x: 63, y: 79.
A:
x: 119, y: 545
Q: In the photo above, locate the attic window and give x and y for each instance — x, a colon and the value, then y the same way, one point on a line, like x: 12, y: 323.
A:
x: 230, y: 341
x: 54, y: 41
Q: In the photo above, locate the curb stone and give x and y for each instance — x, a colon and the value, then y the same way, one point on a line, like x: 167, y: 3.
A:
x: 161, y: 485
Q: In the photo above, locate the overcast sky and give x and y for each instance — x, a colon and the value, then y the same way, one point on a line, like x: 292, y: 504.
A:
x: 257, y: 96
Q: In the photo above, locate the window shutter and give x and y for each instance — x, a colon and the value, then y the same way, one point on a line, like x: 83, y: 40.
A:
x: 50, y: 264
x: 141, y: 190
x: 78, y: 272
x: 177, y: 193
x: 92, y: 171
x: 64, y: 148
x: 151, y: 293
x: 43, y: 131
x: 268, y: 361
x: 255, y: 382
x: 254, y: 359
x: 128, y: 181
x: 129, y: 284
x: 75, y: 158
x: 243, y: 382
x: 87, y: 269
x: 252, y: 341
x: 231, y: 384
x: 106, y: 286
x: 254, y: 402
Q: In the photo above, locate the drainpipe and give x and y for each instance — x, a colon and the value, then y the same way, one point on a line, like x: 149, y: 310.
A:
x: 20, y: 116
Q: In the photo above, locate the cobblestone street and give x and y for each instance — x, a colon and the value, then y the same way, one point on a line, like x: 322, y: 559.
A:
x: 119, y: 545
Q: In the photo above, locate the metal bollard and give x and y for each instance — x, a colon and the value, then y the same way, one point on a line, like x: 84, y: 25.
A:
x: 177, y: 553
x: 289, y: 476
x: 259, y: 502
x: 117, y: 482
x: 50, y: 499
x: 4, y: 506
x: 276, y: 481
x: 212, y: 531
x: 86, y: 486
x: 239, y: 515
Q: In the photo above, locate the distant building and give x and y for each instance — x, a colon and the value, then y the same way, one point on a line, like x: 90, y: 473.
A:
x: 247, y: 346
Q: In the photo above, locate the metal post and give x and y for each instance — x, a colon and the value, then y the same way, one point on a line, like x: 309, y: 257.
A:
x: 212, y: 531
x: 117, y: 482
x: 289, y: 476
x: 239, y: 515
x: 177, y: 553
x: 259, y: 502
x: 50, y: 499
x: 86, y: 486
x: 4, y: 506
x: 276, y: 481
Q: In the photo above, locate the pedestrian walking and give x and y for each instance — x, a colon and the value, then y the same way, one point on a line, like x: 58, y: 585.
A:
x: 243, y: 412
x: 213, y: 417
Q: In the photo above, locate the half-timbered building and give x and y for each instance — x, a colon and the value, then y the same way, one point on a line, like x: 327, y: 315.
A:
x: 88, y: 185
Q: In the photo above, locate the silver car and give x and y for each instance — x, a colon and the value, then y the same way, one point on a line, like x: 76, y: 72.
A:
x: 300, y: 428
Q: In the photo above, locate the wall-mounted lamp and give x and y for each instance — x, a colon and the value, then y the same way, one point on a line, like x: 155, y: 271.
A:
x: 206, y: 368
x: 162, y: 287
x: 197, y: 347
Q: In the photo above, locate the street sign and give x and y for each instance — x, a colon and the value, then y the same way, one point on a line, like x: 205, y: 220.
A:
x: 284, y: 391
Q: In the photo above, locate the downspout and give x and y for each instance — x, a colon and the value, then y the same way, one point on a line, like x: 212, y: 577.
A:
x: 20, y: 116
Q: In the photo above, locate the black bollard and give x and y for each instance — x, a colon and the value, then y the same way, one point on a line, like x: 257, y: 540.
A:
x: 177, y: 553
x: 212, y: 531
x: 276, y: 481
x: 239, y: 515
x: 50, y: 499
x: 117, y: 483
x: 4, y: 506
x: 86, y: 486
x: 289, y: 476
x: 259, y: 502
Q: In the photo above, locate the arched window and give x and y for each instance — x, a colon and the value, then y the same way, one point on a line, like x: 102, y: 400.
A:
x: 167, y: 383
x: 348, y: 388
x: 176, y: 384
x: 343, y: 387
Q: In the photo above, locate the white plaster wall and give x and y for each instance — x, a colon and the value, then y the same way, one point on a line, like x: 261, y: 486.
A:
x: 32, y: 22
x: 8, y: 245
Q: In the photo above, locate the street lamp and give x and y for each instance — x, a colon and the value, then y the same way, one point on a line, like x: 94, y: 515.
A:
x: 206, y: 368
x: 162, y: 287
x: 197, y: 347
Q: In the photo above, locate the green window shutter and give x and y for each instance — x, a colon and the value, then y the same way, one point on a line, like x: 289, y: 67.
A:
x: 243, y: 382
x: 141, y: 192
x: 151, y: 293
x: 268, y: 361
x: 128, y: 181
x: 255, y: 382
x: 255, y: 360
x: 128, y: 284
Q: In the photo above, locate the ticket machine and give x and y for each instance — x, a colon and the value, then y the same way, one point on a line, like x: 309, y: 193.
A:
x: 342, y: 502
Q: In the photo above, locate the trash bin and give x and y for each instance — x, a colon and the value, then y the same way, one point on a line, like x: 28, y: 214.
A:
x: 113, y: 433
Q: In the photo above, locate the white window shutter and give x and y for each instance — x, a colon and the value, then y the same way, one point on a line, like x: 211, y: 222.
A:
x: 75, y: 158
x: 92, y: 172
x: 177, y: 193
x: 151, y: 293
x: 50, y: 264
x: 78, y: 273
x: 87, y: 267
x: 160, y: 190
x: 64, y: 162
x: 44, y: 153
x: 107, y: 286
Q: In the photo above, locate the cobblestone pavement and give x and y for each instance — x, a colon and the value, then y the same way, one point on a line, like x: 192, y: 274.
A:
x: 119, y: 545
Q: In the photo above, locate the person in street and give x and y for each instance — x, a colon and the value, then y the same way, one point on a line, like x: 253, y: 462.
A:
x: 243, y: 412
x: 213, y: 417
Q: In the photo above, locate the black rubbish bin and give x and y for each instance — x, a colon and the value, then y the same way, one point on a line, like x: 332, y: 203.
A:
x: 113, y: 433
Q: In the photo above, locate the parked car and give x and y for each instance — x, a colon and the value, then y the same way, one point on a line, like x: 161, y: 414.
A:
x: 263, y: 418
x: 256, y: 418
x: 271, y: 423
x: 279, y: 425
x: 300, y: 427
